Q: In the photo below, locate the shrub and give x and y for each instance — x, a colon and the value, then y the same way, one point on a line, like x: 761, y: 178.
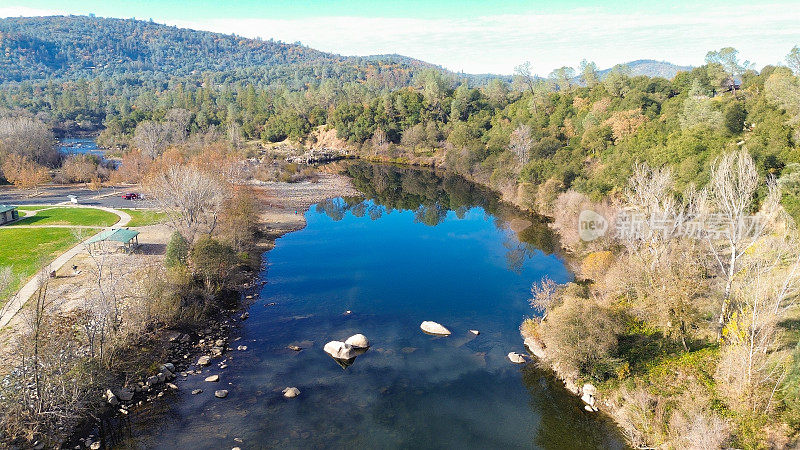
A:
x: 177, y: 251
x: 596, y: 263
x: 213, y: 261
x: 581, y: 337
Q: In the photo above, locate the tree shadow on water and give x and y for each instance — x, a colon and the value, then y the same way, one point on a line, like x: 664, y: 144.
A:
x: 564, y: 424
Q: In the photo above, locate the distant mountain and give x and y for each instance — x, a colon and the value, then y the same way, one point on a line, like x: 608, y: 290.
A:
x: 72, y: 47
x: 651, y: 68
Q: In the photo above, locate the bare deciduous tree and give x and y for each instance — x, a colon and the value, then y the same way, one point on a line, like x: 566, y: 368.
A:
x: 192, y: 199
x: 102, y: 305
x: 47, y: 392
x: 520, y: 143
x: 178, y: 120
x: 151, y: 138
x: 543, y: 296
x: 729, y: 229
x: 28, y: 138
x: 753, y: 365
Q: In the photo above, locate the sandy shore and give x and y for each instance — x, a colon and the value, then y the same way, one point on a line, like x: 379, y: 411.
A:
x: 284, y: 204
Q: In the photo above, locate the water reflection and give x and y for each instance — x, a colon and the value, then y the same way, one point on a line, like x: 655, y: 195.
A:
x: 417, y: 246
x: 430, y: 195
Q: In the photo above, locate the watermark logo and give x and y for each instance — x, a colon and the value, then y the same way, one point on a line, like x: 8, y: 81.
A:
x: 591, y: 225
x: 629, y: 224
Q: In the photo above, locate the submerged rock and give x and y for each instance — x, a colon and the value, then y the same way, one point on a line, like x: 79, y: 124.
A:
x: 296, y: 348
x: 222, y: 393
x: 197, y: 391
x: 358, y: 341
x: 340, y: 350
x: 291, y: 392
x: 434, y: 328
x: 212, y: 378
x: 516, y: 358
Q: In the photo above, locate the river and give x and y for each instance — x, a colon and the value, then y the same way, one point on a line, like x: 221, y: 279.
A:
x: 417, y: 246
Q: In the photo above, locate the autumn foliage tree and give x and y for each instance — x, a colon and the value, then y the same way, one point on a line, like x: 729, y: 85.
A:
x: 24, y: 172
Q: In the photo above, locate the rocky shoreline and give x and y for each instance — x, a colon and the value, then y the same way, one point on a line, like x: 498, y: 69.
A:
x: 195, y: 352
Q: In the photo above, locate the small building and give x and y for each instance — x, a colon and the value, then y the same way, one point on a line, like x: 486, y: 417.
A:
x: 128, y: 238
x: 8, y: 214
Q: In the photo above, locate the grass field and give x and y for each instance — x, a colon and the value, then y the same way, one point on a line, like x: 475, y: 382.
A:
x: 25, y: 250
x: 70, y: 216
x: 143, y: 217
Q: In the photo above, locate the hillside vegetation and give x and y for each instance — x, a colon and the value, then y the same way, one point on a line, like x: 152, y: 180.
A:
x: 691, y: 342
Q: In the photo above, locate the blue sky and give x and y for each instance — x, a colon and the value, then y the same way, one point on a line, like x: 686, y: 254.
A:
x: 479, y: 36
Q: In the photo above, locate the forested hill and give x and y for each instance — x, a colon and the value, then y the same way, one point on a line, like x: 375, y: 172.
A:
x: 650, y: 68
x: 72, y: 47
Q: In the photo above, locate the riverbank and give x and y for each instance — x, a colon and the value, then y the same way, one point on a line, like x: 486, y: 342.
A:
x: 638, y: 338
x: 157, y: 353
x: 284, y: 204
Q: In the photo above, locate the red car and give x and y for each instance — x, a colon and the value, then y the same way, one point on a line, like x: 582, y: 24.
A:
x: 131, y: 196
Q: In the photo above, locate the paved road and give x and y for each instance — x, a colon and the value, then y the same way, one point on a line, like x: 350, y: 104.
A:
x: 18, y: 301
x: 109, y: 197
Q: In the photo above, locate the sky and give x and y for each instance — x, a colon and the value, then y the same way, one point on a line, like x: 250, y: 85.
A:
x: 479, y: 36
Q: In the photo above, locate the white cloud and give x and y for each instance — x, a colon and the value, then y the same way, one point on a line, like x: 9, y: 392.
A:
x: 24, y: 11
x: 496, y: 43
x: 763, y: 33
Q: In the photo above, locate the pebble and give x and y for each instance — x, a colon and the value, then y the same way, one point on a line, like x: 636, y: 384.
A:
x: 241, y: 348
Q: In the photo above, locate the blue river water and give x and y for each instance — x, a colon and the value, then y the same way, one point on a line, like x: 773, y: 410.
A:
x: 417, y: 246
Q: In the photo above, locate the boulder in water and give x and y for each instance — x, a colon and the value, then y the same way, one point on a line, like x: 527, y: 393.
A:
x: 340, y: 350
x: 475, y: 332
x: 434, y: 328
x: 212, y: 378
x: 204, y: 360
x: 291, y: 392
x: 222, y: 393
x: 516, y: 358
x: 589, y: 396
x: 536, y: 347
x: 358, y: 341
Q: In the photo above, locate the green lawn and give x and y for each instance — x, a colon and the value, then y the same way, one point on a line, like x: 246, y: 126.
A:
x: 25, y: 250
x: 143, y: 217
x: 70, y: 216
